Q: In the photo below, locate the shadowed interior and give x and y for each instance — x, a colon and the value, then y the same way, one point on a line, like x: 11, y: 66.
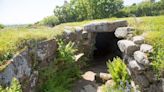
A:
x: 106, y: 46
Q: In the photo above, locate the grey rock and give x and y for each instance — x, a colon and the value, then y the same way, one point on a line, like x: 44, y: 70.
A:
x: 142, y: 81
x: 105, y: 76
x: 150, y: 75
x: 138, y: 39
x: 105, y: 26
x: 141, y: 58
x: 122, y: 32
x: 127, y: 47
x: 79, y: 29
x: 46, y: 49
x: 90, y: 88
x: 21, y: 64
x: 7, y: 75
x: 146, y: 48
x: 135, y: 66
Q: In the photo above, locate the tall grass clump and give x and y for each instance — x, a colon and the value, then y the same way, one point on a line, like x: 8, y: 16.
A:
x: 156, y: 38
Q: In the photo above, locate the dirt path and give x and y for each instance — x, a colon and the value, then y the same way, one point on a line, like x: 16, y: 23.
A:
x: 87, y: 83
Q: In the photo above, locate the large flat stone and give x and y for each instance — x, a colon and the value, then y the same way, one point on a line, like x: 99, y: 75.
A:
x: 105, y: 26
x: 122, y: 32
x: 127, y: 47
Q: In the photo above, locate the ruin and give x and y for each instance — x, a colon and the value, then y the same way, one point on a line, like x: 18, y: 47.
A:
x: 95, y: 40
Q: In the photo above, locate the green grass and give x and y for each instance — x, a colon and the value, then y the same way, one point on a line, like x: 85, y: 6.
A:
x: 15, y: 39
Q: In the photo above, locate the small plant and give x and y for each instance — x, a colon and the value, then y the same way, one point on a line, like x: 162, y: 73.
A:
x: 15, y: 87
x: 118, y: 71
x: 66, y: 51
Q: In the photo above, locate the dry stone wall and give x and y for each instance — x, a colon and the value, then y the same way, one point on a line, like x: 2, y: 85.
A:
x: 135, y: 55
x: 22, y: 64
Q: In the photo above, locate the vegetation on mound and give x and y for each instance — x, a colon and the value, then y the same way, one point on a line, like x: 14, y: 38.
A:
x: 15, y: 39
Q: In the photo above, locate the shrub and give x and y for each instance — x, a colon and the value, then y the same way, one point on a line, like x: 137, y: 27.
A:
x: 118, y: 70
x: 15, y: 87
x: 1, y: 26
x: 50, y: 21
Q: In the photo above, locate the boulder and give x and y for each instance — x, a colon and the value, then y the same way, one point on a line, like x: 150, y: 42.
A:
x: 105, y: 76
x: 135, y: 66
x: 146, y: 48
x: 141, y: 58
x: 89, y: 75
x: 138, y: 39
x: 46, y: 49
x: 122, y: 32
x: 105, y: 26
x: 128, y: 47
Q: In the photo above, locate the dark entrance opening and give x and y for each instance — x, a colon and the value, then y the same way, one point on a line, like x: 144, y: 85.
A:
x: 106, y: 46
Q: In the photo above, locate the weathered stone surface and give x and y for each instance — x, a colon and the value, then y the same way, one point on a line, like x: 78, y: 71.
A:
x: 105, y: 76
x: 142, y: 81
x: 138, y: 39
x: 128, y: 47
x: 79, y: 29
x: 89, y: 75
x: 146, y: 48
x: 46, y: 49
x: 110, y: 83
x: 18, y: 68
x: 85, y: 35
x: 122, y: 32
x: 89, y: 88
x: 21, y: 64
x: 141, y: 58
x: 105, y: 26
x: 7, y: 75
x: 135, y: 66
x: 150, y: 75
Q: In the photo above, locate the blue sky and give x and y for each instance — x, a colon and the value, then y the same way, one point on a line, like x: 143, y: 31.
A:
x: 30, y: 11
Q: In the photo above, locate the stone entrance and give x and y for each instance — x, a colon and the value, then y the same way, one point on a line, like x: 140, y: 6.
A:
x: 106, y: 45
x: 102, y: 40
